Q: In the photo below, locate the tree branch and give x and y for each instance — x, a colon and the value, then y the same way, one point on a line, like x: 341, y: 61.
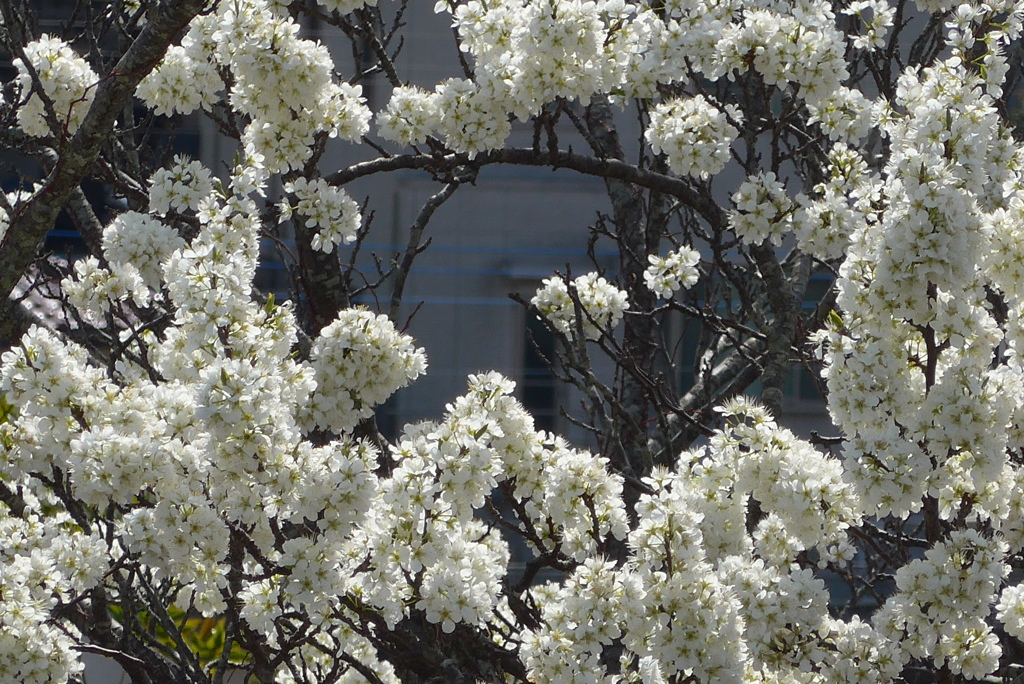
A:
x: 614, y: 169
x: 33, y: 219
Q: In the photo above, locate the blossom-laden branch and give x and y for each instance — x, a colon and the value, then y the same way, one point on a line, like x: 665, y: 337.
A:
x: 605, y: 168
x: 33, y: 218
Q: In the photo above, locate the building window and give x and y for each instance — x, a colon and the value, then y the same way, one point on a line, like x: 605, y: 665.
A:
x: 537, y: 387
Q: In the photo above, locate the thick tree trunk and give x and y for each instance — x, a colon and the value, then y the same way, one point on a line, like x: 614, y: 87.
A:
x: 637, y: 238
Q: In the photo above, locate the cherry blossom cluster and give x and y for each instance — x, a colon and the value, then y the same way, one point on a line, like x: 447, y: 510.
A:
x: 763, y: 210
x: 93, y: 289
x: 422, y: 546
x: 587, y: 613
x: 41, y: 564
x: 913, y: 287
x: 857, y: 652
x: 184, y: 81
x: 467, y: 117
x: 823, y: 220
x: 136, y: 245
x: 358, y: 361
x: 687, y: 601
x: 669, y: 273
x: 928, y: 416
x: 470, y: 121
x: 410, y: 117
x: 68, y: 85
x: 325, y: 207
x: 943, y: 601
x: 839, y: 207
x: 585, y: 498
x: 282, y: 83
x: 693, y: 134
x: 845, y: 114
x: 803, y: 492
x: 141, y: 242
x: 876, y: 18
x: 529, y: 54
x: 783, y: 607
x: 601, y: 303
x: 691, y: 620
x: 49, y: 559
x: 180, y: 187
x: 1011, y: 609
x: 211, y: 436
x: 783, y: 610
x: 216, y: 444
x: 250, y: 399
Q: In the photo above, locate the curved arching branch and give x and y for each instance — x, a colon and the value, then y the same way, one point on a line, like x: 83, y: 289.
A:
x: 608, y: 169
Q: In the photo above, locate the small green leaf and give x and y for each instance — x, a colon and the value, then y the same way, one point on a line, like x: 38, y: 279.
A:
x: 835, y: 321
x: 7, y: 410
